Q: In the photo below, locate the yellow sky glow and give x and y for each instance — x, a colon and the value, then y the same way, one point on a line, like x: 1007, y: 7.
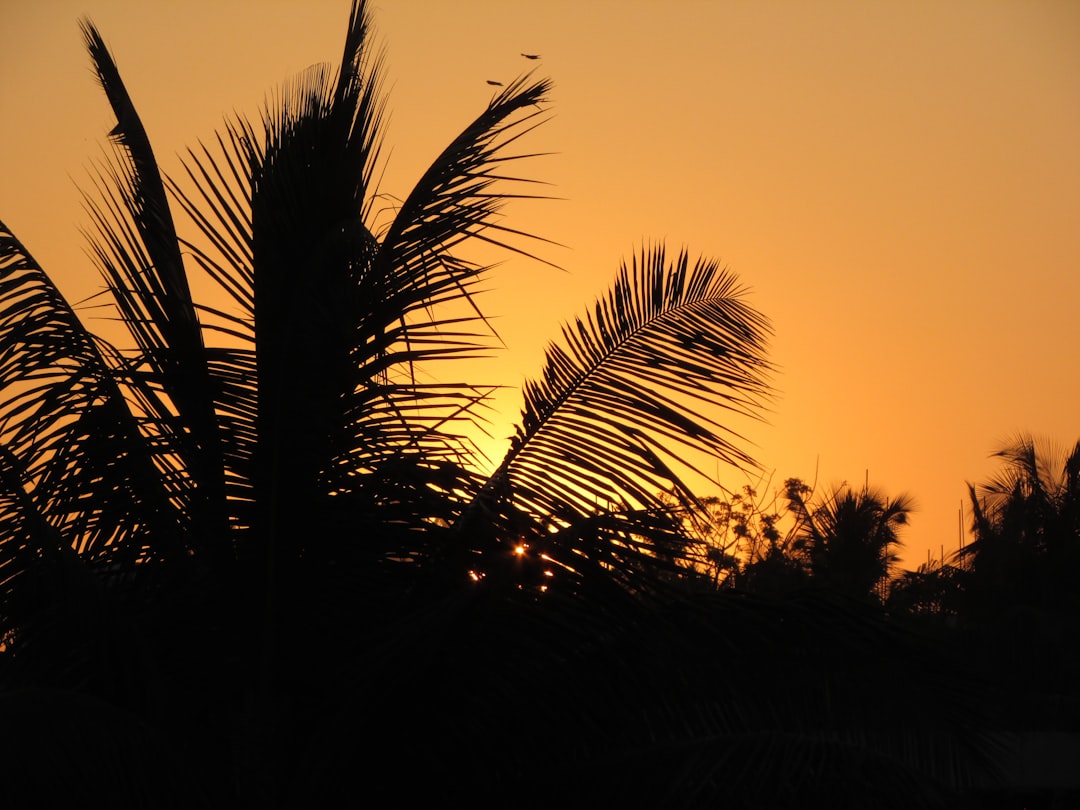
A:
x: 898, y: 181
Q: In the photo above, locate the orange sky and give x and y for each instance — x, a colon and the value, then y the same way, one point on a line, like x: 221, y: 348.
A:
x: 899, y: 183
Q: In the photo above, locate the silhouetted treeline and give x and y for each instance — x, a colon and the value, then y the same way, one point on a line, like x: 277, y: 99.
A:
x: 1023, y: 555
x: 248, y: 558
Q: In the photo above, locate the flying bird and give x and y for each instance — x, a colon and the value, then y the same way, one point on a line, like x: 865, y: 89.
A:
x: 531, y: 55
x: 497, y: 84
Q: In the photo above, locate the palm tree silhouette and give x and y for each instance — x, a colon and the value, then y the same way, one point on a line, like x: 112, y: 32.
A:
x: 848, y: 537
x: 256, y: 541
x: 1026, y: 522
x: 250, y: 473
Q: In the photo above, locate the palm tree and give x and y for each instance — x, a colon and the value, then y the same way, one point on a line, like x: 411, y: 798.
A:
x: 848, y: 537
x: 254, y: 472
x: 1026, y: 521
x: 1019, y: 587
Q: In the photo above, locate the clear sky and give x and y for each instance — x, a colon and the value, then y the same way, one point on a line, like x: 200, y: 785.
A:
x: 898, y: 181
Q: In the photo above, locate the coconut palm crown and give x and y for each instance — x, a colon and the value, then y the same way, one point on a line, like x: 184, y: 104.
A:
x: 280, y: 431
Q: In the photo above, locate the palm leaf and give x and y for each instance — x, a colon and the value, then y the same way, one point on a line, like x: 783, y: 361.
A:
x: 76, y: 447
x: 632, y: 378
x: 84, y: 496
x: 139, y: 253
x: 626, y: 397
x: 148, y: 278
x: 417, y: 274
x: 455, y: 199
x: 220, y: 207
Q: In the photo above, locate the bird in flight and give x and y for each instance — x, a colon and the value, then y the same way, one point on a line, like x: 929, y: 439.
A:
x: 531, y: 55
x: 492, y: 81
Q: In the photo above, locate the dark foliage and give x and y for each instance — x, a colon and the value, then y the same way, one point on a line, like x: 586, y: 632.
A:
x: 248, y: 559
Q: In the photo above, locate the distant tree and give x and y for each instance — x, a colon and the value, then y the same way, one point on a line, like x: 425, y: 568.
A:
x: 849, y: 537
x: 933, y: 590
x: 734, y: 531
x: 773, y: 558
x: 845, y: 540
x: 1020, y: 596
x: 1026, y: 526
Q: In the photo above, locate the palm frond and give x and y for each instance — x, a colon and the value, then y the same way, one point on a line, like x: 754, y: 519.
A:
x: 417, y: 271
x: 630, y: 382
x: 220, y: 207
x: 456, y: 199
x: 84, y: 494
x: 138, y: 250
x: 66, y: 425
x: 626, y: 397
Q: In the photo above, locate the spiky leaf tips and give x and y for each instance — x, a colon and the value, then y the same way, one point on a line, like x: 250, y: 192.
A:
x: 633, y: 390
x: 283, y: 429
x: 313, y: 391
x: 137, y: 248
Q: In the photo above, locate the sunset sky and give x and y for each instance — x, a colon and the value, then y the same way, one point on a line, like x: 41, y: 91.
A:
x: 898, y: 183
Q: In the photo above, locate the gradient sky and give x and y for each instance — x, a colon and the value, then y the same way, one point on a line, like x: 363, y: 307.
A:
x: 898, y: 183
